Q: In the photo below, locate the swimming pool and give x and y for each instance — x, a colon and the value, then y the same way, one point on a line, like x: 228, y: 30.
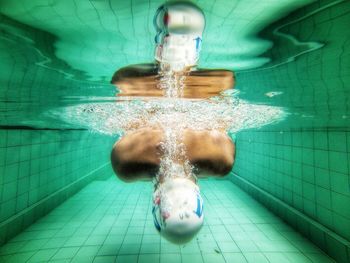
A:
x: 59, y: 56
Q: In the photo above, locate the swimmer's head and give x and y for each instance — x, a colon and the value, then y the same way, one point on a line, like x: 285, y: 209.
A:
x: 178, y: 210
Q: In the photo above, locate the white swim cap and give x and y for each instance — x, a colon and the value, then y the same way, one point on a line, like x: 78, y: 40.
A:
x: 178, y: 210
x: 179, y: 28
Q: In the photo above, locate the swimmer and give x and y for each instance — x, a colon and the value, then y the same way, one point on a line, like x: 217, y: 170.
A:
x: 139, y: 155
x: 177, y: 203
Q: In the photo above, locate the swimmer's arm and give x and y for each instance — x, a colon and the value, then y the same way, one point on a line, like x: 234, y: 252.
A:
x: 129, y: 171
x: 211, y: 153
x: 136, y: 155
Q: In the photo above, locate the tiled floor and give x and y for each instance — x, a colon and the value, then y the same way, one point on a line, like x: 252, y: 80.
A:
x: 110, y: 221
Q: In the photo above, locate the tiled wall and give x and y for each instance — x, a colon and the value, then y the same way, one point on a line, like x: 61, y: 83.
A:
x: 35, y: 165
x: 304, y: 159
x: 308, y: 170
x: 41, y: 168
x: 299, y: 168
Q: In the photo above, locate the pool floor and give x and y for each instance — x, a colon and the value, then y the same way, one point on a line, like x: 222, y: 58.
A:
x: 110, y: 221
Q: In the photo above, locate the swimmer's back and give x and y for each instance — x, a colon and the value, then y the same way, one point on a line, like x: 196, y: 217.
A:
x: 137, y: 155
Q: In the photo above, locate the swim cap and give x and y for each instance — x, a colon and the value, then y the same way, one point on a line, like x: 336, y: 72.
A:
x: 179, y: 28
x: 178, y: 210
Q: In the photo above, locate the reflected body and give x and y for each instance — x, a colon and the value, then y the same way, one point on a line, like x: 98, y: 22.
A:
x: 143, y: 80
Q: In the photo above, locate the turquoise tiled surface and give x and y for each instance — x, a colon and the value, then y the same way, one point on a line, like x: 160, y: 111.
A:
x: 110, y: 221
x: 305, y: 165
x: 304, y: 160
x: 310, y: 174
x: 37, y: 163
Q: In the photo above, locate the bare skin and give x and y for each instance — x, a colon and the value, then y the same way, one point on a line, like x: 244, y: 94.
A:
x: 137, y: 155
x: 142, y: 80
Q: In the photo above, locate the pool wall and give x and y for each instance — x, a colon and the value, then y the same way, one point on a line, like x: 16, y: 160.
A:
x: 43, y: 161
x: 303, y: 161
x: 42, y: 168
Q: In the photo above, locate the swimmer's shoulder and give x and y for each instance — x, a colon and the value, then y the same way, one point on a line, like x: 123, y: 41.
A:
x: 135, y: 71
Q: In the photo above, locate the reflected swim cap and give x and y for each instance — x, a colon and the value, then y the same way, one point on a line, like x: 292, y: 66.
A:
x: 178, y: 210
x: 179, y: 28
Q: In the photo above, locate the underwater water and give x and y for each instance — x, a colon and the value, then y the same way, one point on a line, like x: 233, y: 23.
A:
x: 60, y: 116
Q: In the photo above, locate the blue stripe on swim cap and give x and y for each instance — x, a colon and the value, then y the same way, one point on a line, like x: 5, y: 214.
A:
x: 155, y: 221
x: 199, y: 210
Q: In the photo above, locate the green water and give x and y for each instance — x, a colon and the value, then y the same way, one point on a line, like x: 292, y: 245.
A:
x: 60, y: 54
